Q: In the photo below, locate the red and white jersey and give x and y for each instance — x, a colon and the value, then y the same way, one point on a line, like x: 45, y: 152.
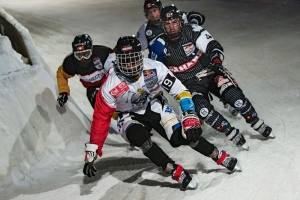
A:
x: 118, y: 95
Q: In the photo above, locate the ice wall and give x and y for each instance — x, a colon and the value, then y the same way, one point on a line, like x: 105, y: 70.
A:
x: 32, y: 127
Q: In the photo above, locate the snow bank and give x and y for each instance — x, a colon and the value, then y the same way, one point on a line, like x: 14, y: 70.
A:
x: 32, y: 127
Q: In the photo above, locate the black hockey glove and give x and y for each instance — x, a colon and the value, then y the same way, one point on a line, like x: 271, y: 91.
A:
x: 90, y: 156
x: 217, y: 68
x: 62, y: 99
x: 195, y: 18
x: 191, y: 126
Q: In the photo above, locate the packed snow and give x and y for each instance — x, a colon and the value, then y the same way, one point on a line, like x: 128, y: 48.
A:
x: 42, y: 145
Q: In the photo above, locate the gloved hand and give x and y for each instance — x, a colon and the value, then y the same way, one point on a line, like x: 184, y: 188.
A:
x: 90, y: 156
x: 217, y: 68
x: 195, y: 18
x: 191, y: 126
x: 62, y: 99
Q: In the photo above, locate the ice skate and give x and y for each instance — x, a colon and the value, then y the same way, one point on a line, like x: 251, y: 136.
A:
x: 227, y: 161
x: 181, y: 176
x: 263, y: 129
x: 232, y: 110
x: 237, y: 139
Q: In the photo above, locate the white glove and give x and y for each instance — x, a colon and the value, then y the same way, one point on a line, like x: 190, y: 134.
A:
x: 90, y: 156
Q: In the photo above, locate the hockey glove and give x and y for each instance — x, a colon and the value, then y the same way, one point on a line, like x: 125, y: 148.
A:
x: 191, y: 126
x: 62, y: 99
x: 195, y: 18
x: 217, y: 68
x: 90, y: 156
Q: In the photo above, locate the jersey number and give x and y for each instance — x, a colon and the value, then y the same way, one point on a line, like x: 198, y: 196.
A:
x: 168, y: 82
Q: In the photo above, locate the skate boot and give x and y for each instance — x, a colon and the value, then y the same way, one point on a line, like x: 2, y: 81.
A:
x: 181, y: 176
x: 263, y: 129
x: 232, y: 110
x: 224, y: 159
x: 237, y: 138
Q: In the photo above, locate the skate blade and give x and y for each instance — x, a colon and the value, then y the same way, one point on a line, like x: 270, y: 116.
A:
x: 245, y: 147
x: 133, y: 148
x: 237, y: 168
x: 193, y: 185
x: 271, y: 136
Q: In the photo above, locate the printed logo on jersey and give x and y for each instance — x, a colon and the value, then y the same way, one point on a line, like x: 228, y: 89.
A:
x: 150, y: 77
x: 119, y: 90
x: 168, y: 109
x: 139, y: 98
x: 186, y: 66
x: 168, y: 82
x: 188, y: 48
x: 97, y: 63
x: 149, y: 32
x: 91, y: 78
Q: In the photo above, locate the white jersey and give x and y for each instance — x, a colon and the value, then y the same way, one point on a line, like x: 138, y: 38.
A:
x: 134, y: 97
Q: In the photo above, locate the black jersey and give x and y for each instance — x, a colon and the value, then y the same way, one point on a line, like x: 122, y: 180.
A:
x: 188, y: 55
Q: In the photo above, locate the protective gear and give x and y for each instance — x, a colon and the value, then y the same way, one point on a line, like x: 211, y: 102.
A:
x: 195, y: 18
x: 237, y: 138
x: 91, y: 155
x: 181, y: 176
x: 148, y: 4
x: 191, y: 126
x: 224, y: 159
x: 169, y: 13
x: 234, y: 111
x: 62, y: 99
x: 217, y: 68
x: 82, y: 47
x: 263, y: 129
x: 129, y: 62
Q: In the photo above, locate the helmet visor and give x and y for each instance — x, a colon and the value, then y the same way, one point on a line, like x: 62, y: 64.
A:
x: 85, y: 54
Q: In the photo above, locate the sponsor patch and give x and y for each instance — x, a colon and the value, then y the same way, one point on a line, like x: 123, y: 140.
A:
x: 150, y: 77
x: 119, y: 90
x: 188, y: 48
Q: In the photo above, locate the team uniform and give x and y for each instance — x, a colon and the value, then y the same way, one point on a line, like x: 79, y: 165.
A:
x: 134, y: 90
x: 191, y: 57
x: 149, y: 31
x: 92, y: 75
x: 152, y: 28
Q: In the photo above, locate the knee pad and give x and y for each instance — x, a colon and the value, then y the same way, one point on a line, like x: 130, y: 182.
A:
x: 209, y: 115
x: 146, y: 145
x: 138, y: 135
x: 234, y: 96
x: 203, y: 107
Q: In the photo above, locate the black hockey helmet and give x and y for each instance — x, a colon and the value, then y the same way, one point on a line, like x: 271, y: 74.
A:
x: 148, y: 4
x: 129, y: 62
x: 168, y: 13
x: 82, y: 47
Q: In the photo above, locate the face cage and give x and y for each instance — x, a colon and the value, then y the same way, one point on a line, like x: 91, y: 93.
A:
x: 85, y: 54
x: 173, y: 36
x: 130, y: 64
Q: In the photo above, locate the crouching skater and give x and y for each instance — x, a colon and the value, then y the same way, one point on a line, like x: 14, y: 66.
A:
x: 134, y: 90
